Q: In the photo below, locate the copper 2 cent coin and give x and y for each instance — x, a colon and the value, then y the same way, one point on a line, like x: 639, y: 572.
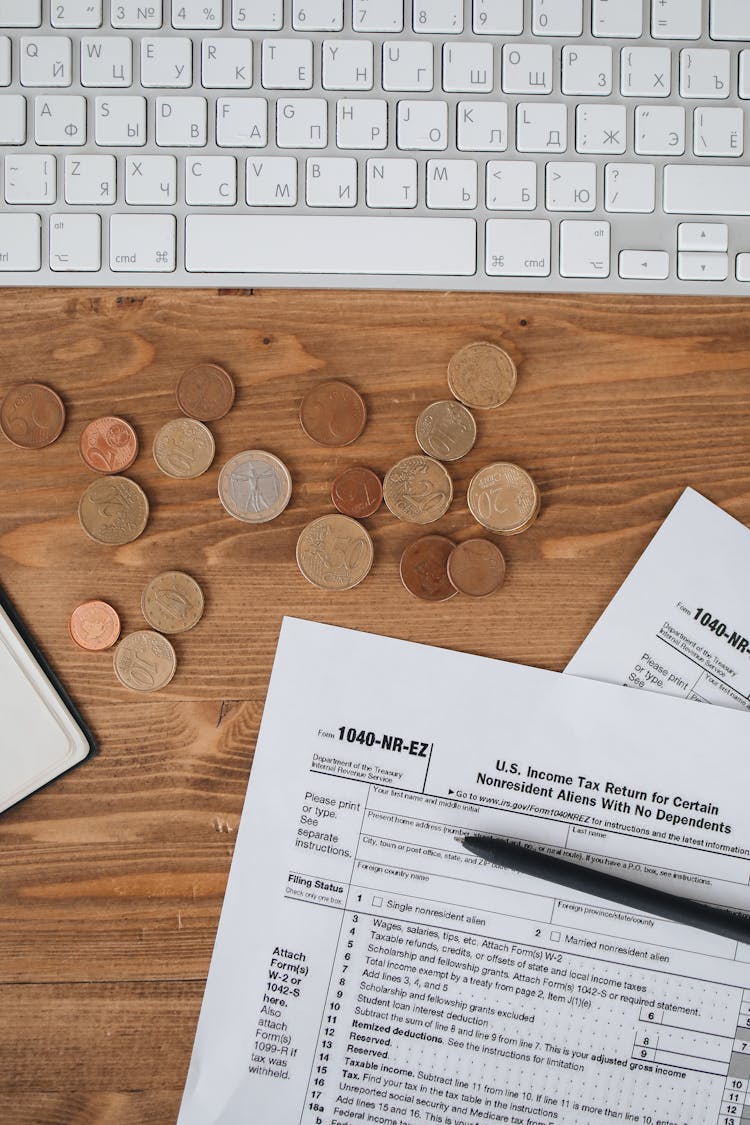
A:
x: 206, y: 392
x: 333, y: 414
x: 32, y: 415
x: 476, y: 567
x: 94, y: 626
x: 424, y: 568
x: 109, y: 445
x: 357, y: 492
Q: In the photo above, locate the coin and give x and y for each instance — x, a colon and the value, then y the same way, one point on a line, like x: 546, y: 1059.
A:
x: 113, y: 510
x: 357, y: 492
x: 184, y: 448
x: 172, y: 602
x: 446, y: 430
x: 94, y: 626
x: 482, y: 376
x: 333, y: 414
x: 424, y: 571
x: 503, y: 497
x: 109, y: 445
x: 255, y: 486
x: 145, y: 661
x: 476, y: 567
x: 32, y: 415
x: 334, y: 552
x: 418, y: 489
x: 206, y: 392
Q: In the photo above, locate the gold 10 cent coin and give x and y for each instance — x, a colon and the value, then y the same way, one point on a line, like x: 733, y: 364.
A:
x: 418, y: 489
x: 446, y: 430
x: 255, y: 486
x: 482, y: 376
x: 172, y: 602
x: 145, y: 661
x: 184, y: 448
x: 113, y: 510
x: 334, y: 553
x: 503, y: 497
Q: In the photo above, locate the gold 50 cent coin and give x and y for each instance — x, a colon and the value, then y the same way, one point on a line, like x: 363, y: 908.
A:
x: 32, y: 415
x: 145, y: 661
x: 172, y: 602
x: 184, y: 448
x: 482, y: 376
x: 113, y: 510
x: 255, y: 486
x: 334, y: 553
x: 446, y: 430
x: 503, y: 497
x: 418, y: 489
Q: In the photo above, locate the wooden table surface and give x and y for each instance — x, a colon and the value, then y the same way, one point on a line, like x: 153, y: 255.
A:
x: 111, y: 879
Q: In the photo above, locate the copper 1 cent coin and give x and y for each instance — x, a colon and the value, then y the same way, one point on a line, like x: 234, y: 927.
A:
x: 357, y: 492
x: 424, y: 568
x: 206, y: 392
x: 333, y: 413
x: 94, y: 626
x: 482, y: 376
x: 476, y: 567
x: 109, y: 445
x: 32, y: 415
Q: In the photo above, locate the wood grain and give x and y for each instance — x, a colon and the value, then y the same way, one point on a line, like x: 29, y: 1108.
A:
x: 112, y: 878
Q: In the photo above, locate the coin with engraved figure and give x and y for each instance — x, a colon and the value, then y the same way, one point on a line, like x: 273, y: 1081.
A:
x: 424, y: 570
x: 206, y: 392
x: 184, y: 448
x: 446, y: 430
x: 357, y: 492
x: 255, y: 486
x: 418, y: 489
x: 94, y: 626
x: 504, y: 498
x: 109, y: 445
x: 335, y: 552
x: 482, y: 376
x: 32, y: 415
x: 113, y: 510
x: 476, y: 567
x: 172, y: 602
x: 333, y: 413
x: 145, y: 661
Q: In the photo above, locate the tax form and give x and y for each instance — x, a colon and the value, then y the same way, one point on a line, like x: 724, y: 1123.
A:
x: 680, y: 622
x: 368, y: 969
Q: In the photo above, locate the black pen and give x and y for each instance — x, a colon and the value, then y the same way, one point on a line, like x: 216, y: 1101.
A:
x: 504, y: 853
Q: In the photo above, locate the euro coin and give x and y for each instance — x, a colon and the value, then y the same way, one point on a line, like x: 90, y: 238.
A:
x: 206, y: 392
x: 418, y: 489
x: 113, y: 510
x: 333, y: 413
x: 334, y: 552
x: 32, y: 415
x: 482, y: 376
x: 145, y: 661
x: 172, y: 602
x: 476, y: 567
x: 94, y: 626
x: 357, y: 492
x: 446, y: 430
x: 184, y: 448
x: 109, y: 445
x: 255, y: 486
x: 424, y: 570
x: 504, y: 498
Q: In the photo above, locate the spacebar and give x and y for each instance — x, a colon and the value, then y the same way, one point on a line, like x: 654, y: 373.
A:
x: 321, y: 244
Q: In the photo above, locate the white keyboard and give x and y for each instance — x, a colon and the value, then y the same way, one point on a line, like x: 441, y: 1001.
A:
x: 556, y: 145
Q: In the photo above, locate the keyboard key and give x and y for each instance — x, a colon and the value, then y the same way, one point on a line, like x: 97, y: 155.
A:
x: 587, y: 70
x: 744, y: 85
x: 718, y: 132
x: 181, y: 122
x: 570, y: 186
x: 76, y: 13
x: 377, y: 15
x: 5, y: 70
x: 120, y: 122
x: 601, y: 129
x: 391, y: 183
x: 317, y: 15
x: 167, y: 61
x: 527, y: 69
x: 422, y: 125
x: 617, y: 19
x: 541, y: 127
x: 258, y: 15
x: 630, y: 188
x: 227, y: 63
x: 201, y: 15
x: 30, y: 179
x: 742, y: 264
x: 482, y: 126
x: 704, y: 74
x: 20, y: 242
x: 584, y: 249
x: 331, y: 181
x: 361, y: 123
x: 348, y: 64
x: 136, y: 14
x: 344, y: 244
x: 60, y: 120
x: 106, y: 61
x: 141, y: 243
x: 90, y: 180
x: 211, y: 181
x: 644, y: 265
x: 21, y: 13
x: 438, y: 16
x: 271, y: 181
x: 677, y: 19
x: 287, y: 64
x: 468, y: 68
x: 511, y: 185
x: 241, y: 122
x: 407, y: 66
x: 452, y: 184
x: 645, y: 72
x: 150, y: 180
x: 498, y: 17
x: 713, y: 237
x: 12, y: 119
x: 702, y: 267
x: 730, y: 19
x: 707, y: 189
x: 518, y: 247
x: 75, y: 243
x: 46, y: 60
x: 660, y: 130
x: 301, y: 123
x: 557, y: 17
